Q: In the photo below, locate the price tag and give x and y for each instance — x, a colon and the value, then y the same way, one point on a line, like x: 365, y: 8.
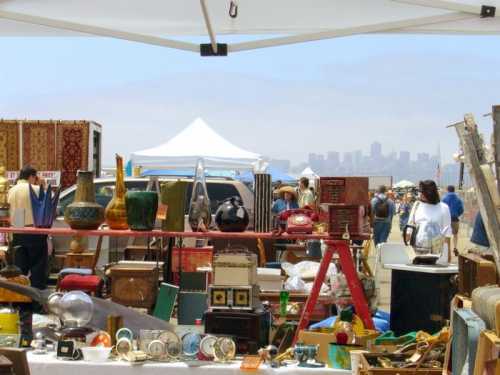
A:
x: 162, y: 212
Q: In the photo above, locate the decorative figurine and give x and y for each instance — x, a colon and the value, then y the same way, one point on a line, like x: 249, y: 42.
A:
x: 116, y: 210
x: 200, y: 215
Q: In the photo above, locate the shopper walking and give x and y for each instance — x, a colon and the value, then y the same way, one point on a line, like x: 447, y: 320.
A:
x: 383, y: 210
x: 404, y: 210
x: 456, y: 207
x: 306, y: 196
x: 32, y: 250
x: 432, y: 220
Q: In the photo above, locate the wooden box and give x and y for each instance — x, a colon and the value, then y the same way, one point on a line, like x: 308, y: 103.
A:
x: 235, y: 269
x: 347, y: 218
x: 191, y: 258
x: 134, y: 285
x: 250, y: 330
x: 344, y: 190
x: 370, y: 366
x: 475, y: 271
x: 79, y: 260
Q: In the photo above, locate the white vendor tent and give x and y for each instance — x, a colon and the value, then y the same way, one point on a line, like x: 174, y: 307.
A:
x: 160, y: 22
x: 404, y: 184
x: 309, y: 173
x: 196, y: 141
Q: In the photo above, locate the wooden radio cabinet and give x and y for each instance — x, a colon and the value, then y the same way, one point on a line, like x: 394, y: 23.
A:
x: 134, y: 285
x: 352, y: 219
x: 474, y: 271
x: 344, y: 190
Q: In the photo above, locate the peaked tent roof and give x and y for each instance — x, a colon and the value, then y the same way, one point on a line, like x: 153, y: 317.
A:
x: 290, y: 21
x: 308, y: 172
x: 196, y: 141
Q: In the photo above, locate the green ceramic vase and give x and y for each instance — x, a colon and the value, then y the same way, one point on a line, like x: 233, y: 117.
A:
x: 141, y: 209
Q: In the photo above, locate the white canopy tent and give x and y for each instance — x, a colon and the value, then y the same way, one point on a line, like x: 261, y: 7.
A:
x: 404, y: 184
x: 159, y: 22
x: 196, y: 141
x: 309, y: 173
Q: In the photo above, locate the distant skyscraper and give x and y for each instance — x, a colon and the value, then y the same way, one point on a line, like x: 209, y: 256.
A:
x: 376, y: 150
x: 404, y: 157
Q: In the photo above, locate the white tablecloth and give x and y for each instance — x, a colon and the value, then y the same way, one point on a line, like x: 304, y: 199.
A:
x: 49, y: 365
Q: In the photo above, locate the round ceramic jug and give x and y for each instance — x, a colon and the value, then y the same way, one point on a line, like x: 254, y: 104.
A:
x: 231, y: 216
x: 84, y: 212
x: 141, y: 209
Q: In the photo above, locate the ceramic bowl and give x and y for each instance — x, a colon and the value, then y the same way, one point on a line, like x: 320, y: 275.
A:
x: 96, y: 353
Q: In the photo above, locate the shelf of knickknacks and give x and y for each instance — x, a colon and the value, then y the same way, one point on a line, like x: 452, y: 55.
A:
x: 160, y: 233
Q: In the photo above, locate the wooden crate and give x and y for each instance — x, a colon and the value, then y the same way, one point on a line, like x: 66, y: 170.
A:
x: 369, y: 366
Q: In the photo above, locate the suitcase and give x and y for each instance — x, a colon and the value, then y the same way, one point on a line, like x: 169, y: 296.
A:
x: 486, y: 304
x: 466, y: 326
x: 475, y: 271
x: 192, y: 306
x: 250, y: 330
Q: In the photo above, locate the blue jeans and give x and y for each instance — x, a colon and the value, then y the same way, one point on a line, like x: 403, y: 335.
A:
x: 381, y: 230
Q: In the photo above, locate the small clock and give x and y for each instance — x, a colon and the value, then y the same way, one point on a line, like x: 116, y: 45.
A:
x: 124, y: 347
x: 156, y: 349
x: 191, y: 344
x: 224, y: 349
x: 172, y: 344
x: 124, y: 333
x: 207, y: 346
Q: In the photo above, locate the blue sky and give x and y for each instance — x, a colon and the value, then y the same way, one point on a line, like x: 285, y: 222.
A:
x: 339, y: 94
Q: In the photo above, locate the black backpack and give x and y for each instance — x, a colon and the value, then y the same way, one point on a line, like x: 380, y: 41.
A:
x: 382, y: 208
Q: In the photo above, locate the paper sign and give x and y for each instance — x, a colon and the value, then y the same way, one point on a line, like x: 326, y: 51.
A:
x: 52, y: 178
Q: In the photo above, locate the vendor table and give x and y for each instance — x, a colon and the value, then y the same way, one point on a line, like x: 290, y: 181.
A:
x: 340, y: 247
x: 420, y: 297
x: 49, y: 365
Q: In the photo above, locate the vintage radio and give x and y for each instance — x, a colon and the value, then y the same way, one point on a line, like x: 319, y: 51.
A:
x: 134, y: 285
x: 474, y: 271
x: 344, y: 190
x: 235, y: 269
x: 250, y: 330
x: 233, y: 297
x: 347, y: 219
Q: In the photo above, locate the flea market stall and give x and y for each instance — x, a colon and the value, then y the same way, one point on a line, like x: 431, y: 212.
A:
x: 232, y: 310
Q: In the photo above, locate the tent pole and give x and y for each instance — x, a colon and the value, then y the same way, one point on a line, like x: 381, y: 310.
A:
x: 444, y: 5
x: 365, y: 29
x: 211, y: 32
x: 100, y: 31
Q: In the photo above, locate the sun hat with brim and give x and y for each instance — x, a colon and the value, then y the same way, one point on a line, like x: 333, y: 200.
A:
x: 288, y: 189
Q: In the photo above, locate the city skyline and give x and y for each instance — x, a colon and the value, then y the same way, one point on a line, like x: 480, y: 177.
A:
x: 401, y: 164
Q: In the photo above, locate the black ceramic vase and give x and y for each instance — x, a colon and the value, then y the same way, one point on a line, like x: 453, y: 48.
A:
x: 141, y: 209
x: 232, y: 216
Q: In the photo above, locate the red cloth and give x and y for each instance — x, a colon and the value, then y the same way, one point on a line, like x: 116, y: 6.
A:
x: 89, y: 284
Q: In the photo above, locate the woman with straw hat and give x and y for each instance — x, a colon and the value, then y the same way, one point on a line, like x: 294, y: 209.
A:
x: 287, y: 200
